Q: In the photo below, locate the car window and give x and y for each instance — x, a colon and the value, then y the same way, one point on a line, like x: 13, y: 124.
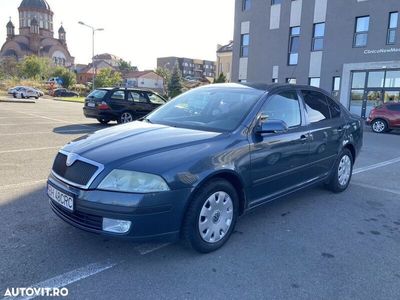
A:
x: 118, y: 95
x: 155, y: 99
x: 316, y: 106
x: 97, y: 94
x: 334, y: 108
x: 283, y: 106
x: 137, y: 97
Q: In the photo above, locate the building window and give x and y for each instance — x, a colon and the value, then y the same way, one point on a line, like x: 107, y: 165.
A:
x: 291, y: 80
x: 244, y: 45
x: 314, y: 81
x: 318, y: 37
x: 361, y: 33
x: 273, y: 2
x: 336, y: 87
x: 246, y: 4
x: 393, y: 23
x: 294, y: 40
x: 274, y: 80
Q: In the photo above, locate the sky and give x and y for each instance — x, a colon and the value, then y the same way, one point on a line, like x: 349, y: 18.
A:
x: 138, y: 31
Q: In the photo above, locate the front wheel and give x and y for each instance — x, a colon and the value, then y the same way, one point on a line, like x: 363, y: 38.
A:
x: 211, y: 216
x: 379, y: 126
x: 342, y: 172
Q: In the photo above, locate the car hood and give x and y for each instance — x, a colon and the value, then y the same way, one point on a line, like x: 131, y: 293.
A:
x: 123, y: 143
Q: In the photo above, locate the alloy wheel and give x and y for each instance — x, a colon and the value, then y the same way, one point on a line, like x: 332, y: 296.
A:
x: 126, y: 117
x: 379, y: 126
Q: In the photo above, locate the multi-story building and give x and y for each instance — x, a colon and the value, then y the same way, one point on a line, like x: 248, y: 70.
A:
x: 224, y: 60
x: 348, y: 47
x: 193, y: 68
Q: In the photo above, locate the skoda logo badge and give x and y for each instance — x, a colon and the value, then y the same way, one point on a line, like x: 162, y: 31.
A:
x: 71, y: 158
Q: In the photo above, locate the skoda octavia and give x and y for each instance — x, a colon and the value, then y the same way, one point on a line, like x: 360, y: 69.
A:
x: 193, y: 166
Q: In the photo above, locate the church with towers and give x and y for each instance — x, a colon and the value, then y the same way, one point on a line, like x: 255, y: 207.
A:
x: 36, y: 35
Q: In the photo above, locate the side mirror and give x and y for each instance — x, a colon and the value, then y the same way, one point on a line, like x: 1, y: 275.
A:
x: 271, y: 126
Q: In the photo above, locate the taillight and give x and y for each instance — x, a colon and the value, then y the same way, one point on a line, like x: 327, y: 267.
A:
x: 103, y: 106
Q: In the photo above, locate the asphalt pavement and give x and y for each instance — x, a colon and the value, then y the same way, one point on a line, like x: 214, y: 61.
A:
x: 310, y: 245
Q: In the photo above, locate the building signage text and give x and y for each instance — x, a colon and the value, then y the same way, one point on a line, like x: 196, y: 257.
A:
x: 382, y: 51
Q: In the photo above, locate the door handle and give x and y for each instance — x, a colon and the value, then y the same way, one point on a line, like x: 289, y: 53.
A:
x: 304, y: 138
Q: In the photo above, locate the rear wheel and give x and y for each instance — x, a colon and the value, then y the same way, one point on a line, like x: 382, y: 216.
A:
x: 125, y: 117
x: 102, y: 121
x: 343, y: 169
x: 211, y: 216
x: 379, y: 126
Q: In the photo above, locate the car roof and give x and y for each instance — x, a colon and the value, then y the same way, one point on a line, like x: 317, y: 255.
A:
x: 265, y: 86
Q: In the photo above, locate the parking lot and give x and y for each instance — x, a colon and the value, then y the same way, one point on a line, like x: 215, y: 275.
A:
x: 311, y: 245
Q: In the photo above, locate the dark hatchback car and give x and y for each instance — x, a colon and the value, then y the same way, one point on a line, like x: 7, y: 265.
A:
x: 65, y: 93
x: 191, y: 167
x: 385, y: 117
x: 120, y: 104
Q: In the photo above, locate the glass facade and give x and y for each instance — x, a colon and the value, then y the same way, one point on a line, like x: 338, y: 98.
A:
x: 372, y: 88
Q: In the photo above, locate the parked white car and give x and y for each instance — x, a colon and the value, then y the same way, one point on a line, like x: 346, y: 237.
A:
x: 26, y: 92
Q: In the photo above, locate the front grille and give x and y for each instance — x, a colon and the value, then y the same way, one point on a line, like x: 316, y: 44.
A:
x: 79, y: 218
x: 80, y: 172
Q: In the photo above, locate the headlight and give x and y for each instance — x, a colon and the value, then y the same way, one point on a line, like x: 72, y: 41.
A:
x: 134, y: 182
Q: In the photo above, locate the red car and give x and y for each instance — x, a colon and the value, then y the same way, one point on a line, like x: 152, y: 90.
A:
x: 385, y: 117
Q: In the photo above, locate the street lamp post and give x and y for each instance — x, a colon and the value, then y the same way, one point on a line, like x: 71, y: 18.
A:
x: 93, y: 32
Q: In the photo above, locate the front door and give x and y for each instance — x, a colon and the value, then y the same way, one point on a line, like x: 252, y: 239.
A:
x: 278, y: 160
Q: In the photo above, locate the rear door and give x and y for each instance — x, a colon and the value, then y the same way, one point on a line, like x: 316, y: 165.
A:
x: 326, y: 127
x: 139, y: 103
x: 279, y: 160
x: 117, y: 101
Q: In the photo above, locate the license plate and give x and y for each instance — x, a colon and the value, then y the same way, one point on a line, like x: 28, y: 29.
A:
x: 60, y: 197
x: 91, y: 104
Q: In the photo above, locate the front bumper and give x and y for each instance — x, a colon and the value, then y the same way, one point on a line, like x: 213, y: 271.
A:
x: 156, y: 216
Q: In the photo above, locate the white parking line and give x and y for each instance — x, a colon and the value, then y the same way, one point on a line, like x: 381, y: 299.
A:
x: 30, y: 124
x: 375, y: 166
x: 52, y: 119
x: 29, y: 149
x: 368, y: 186
x: 148, y: 248
x: 48, y: 132
x: 22, y: 184
x: 69, y: 278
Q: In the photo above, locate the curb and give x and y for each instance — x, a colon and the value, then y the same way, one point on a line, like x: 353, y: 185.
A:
x: 62, y: 100
x: 17, y: 101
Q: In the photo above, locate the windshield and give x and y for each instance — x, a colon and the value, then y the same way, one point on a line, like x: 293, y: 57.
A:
x: 214, y: 109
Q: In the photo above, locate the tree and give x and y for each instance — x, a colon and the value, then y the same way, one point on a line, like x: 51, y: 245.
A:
x: 68, y: 77
x: 166, y: 75
x: 108, y: 78
x: 34, y: 67
x: 175, y: 83
x: 221, y: 78
x: 8, y: 67
x: 125, y: 66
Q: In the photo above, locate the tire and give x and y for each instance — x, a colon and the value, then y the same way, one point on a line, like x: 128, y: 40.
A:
x: 214, y: 208
x: 14, y: 95
x: 342, y: 172
x: 22, y: 96
x: 104, y: 122
x: 125, y: 117
x: 379, y: 126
